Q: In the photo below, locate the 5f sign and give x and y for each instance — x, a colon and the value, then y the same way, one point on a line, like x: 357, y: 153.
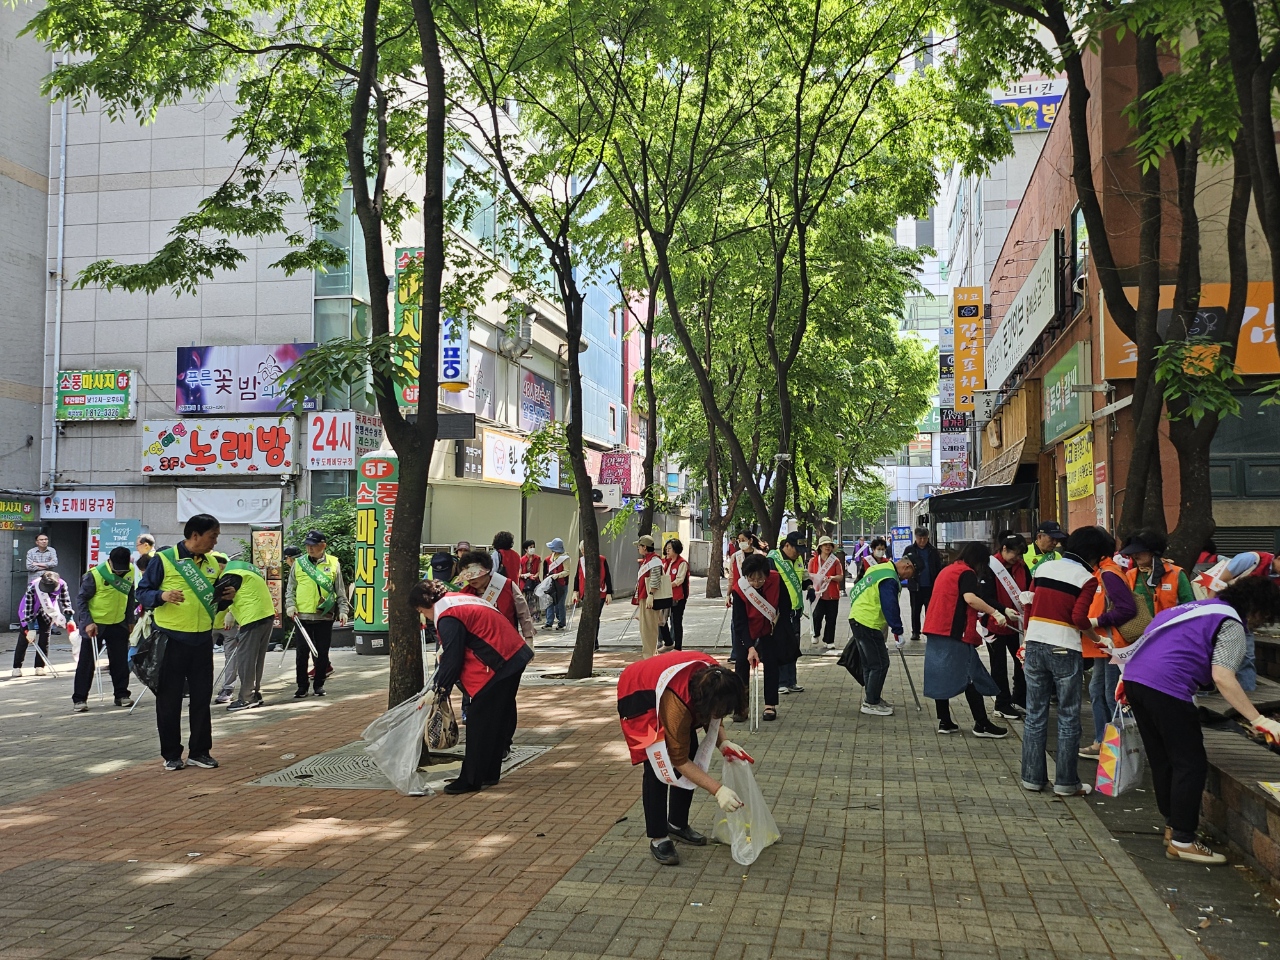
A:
x: 331, y: 440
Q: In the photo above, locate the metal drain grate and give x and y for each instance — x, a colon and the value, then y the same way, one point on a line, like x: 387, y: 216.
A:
x: 349, y: 768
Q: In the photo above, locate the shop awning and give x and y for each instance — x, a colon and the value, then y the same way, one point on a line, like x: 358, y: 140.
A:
x: 979, y: 502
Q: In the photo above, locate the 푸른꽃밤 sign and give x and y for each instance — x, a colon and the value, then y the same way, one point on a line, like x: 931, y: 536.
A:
x: 250, y: 378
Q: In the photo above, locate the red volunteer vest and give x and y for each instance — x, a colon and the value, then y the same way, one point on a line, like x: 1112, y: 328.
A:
x: 506, y: 603
x: 510, y: 563
x: 1022, y: 577
x: 486, y: 624
x: 1263, y: 569
x: 942, y: 608
x: 678, y: 590
x: 580, y: 579
x: 642, y: 580
x: 832, y: 590
x: 756, y: 622
x: 531, y: 567
x: 638, y: 699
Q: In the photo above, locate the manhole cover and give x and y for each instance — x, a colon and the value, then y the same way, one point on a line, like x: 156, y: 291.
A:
x: 349, y: 768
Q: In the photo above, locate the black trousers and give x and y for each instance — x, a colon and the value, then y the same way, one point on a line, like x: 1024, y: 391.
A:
x: 1170, y: 730
x: 919, y: 600
x: 321, y: 633
x: 767, y: 648
x: 999, y: 652
x: 672, y: 632
x: 663, y: 804
x: 115, y: 637
x: 491, y: 723
x: 824, y: 620
x: 186, y: 666
x: 42, y: 639
x: 976, y: 706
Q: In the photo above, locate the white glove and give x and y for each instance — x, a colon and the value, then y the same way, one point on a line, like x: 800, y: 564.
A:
x: 1011, y: 613
x: 1000, y: 618
x: 1025, y: 597
x: 898, y: 641
x: 728, y: 800
x: 1269, y: 727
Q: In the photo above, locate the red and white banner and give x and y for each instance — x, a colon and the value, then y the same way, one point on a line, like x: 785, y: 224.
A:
x: 331, y: 443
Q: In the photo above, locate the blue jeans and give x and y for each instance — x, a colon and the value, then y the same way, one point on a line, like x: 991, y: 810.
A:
x: 555, y: 605
x: 1102, y: 694
x: 1051, y: 669
x: 787, y: 674
x: 1248, y: 672
x: 875, y: 659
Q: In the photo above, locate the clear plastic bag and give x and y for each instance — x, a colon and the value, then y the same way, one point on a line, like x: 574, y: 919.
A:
x: 394, y: 741
x: 750, y: 828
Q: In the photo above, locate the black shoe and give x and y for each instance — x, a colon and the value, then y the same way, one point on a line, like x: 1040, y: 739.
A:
x: 739, y: 718
x: 203, y: 760
x: 455, y: 787
x: 257, y: 701
x: 174, y: 765
x: 299, y: 694
x: 235, y: 706
x: 1011, y: 713
x: 686, y: 835
x: 946, y: 726
x: 664, y: 851
x: 491, y: 783
x: 990, y: 731
x: 320, y: 691
x: 125, y: 701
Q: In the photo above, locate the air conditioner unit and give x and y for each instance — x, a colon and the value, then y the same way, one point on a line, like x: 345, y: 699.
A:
x: 607, y: 496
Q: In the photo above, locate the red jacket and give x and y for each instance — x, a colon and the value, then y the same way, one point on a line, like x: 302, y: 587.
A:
x: 836, y: 573
x: 530, y: 570
x: 510, y: 563
x: 580, y: 578
x: 491, y: 642
x: 638, y: 694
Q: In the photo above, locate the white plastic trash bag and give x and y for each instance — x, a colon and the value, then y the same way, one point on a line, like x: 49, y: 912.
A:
x: 751, y: 828
x: 394, y: 741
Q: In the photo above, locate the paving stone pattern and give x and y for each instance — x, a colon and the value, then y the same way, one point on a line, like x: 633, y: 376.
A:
x: 896, y: 842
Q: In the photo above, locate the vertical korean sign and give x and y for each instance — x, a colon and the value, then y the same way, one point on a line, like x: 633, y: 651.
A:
x: 379, y: 481
x: 406, y: 321
x: 969, y: 345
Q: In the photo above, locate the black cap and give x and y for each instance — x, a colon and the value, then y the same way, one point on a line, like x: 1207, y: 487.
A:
x: 1053, y: 529
x: 442, y: 562
x: 795, y: 538
x: 1137, y: 544
x: 1014, y: 541
x: 292, y: 551
x: 314, y: 537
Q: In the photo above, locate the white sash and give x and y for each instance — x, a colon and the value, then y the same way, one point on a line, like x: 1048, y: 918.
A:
x: 660, y: 758
x: 1121, y: 655
x: 557, y: 564
x: 444, y: 604
x: 1010, y: 585
x: 654, y: 561
x: 497, y: 583
x: 821, y: 578
x: 757, y: 600
x: 49, y: 608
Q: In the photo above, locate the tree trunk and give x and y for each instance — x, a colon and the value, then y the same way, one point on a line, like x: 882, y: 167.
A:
x: 1195, y: 507
x: 651, y: 400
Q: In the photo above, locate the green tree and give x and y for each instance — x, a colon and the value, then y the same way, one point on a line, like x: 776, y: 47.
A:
x: 330, y: 95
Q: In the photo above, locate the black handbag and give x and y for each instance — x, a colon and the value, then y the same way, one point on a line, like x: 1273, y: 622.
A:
x: 148, y: 657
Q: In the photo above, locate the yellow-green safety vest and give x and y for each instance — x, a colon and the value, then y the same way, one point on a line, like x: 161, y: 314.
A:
x: 866, y: 608
x: 190, y: 616
x: 108, y: 605
x: 306, y: 594
x: 799, y: 568
x: 253, y: 600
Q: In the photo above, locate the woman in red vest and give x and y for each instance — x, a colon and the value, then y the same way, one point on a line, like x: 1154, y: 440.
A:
x: 481, y: 652
x: 677, y: 567
x: 760, y: 602
x: 507, y: 561
x: 663, y: 702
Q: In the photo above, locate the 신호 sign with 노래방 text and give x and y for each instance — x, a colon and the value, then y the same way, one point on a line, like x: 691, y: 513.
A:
x: 94, y: 395
x: 247, y: 446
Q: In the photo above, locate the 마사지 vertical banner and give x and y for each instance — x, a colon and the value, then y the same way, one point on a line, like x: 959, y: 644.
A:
x: 379, y: 482
x: 406, y: 320
x: 969, y: 345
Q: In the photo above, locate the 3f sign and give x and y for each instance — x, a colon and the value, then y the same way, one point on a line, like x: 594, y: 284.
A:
x: 331, y: 441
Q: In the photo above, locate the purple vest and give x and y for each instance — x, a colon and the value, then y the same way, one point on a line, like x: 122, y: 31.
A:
x: 1177, y: 657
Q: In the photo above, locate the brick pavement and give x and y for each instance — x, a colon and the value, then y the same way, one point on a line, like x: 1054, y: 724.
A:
x: 896, y: 843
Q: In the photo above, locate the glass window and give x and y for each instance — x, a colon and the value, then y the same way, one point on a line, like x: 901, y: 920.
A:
x: 349, y: 279
x: 1222, y: 479
x: 338, y: 319
x: 1262, y: 480
x: 327, y: 485
x: 919, y: 452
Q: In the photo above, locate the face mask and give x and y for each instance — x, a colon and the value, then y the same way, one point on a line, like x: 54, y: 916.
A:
x: 879, y: 552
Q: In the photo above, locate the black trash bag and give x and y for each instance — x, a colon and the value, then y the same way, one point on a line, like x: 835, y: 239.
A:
x: 147, y: 658
x: 851, y: 660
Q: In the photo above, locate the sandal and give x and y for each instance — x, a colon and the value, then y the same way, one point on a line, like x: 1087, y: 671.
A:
x: 770, y: 713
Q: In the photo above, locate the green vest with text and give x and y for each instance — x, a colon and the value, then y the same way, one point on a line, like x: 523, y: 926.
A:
x: 108, y: 605
x: 190, y: 616
x: 865, y: 603
x: 253, y: 599
x: 306, y: 592
x: 794, y: 578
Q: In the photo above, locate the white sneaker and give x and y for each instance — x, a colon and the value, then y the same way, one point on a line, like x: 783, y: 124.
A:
x: 783, y: 690
x: 881, y: 709
x: 39, y: 671
x: 1193, y: 853
x: 17, y: 672
x: 830, y: 648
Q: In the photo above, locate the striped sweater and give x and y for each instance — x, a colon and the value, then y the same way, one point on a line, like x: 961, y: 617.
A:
x: 1063, y: 590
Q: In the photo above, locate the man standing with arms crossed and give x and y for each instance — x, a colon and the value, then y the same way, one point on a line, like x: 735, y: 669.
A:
x: 314, y: 595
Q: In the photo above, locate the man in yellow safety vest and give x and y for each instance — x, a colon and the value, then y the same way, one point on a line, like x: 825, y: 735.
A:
x: 315, y: 596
